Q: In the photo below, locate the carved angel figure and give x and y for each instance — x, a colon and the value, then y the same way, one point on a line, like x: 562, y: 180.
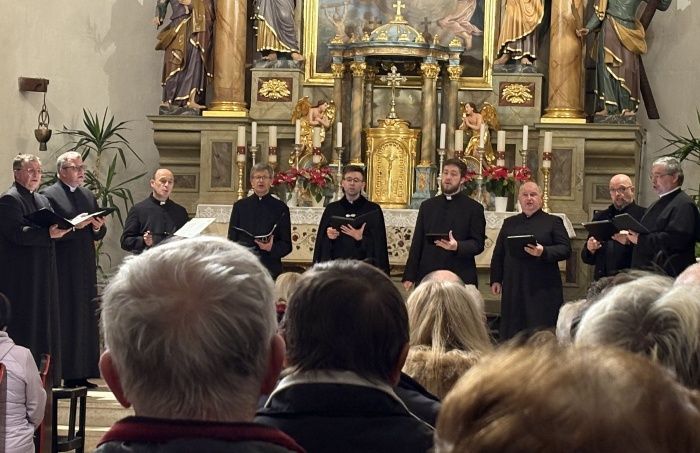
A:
x: 471, y: 121
x: 323, y: 115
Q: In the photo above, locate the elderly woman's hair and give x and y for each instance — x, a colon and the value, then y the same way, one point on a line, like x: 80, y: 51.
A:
x: 564, y: 399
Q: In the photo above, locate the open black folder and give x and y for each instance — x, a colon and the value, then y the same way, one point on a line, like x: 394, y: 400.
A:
x: 432, y: 237
x: 627, y: 222
x: 602, y: 230
x: 355, y: 222
x: 260, y: 237
x: 45, y: 218
x: 516, y: 244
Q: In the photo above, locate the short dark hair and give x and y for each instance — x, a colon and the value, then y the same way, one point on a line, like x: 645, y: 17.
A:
x: 354, y: 169
x: 457, y: 163
x: 5, y: 312
x: 346, y: 315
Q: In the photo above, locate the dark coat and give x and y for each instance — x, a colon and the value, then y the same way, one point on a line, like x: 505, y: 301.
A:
x: 532, y: 291
x: 151, y: 435
x: 28, y: 277
x: 77, y: 283
x: 162, y: 220
x: 372, y: 248
x: 612, y: 257
x: 674, y: 225
x: 465, y: 217
x: 258, y: 216
x: 343, y: 418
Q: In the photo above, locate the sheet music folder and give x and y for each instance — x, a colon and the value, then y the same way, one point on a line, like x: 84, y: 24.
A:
x: 627, y: 222
x: 260, y: 237
x: 355, y: 222
x: 432, y: 237
x: 516, y: 244
x: 602, y: 230
x: 45, y: 218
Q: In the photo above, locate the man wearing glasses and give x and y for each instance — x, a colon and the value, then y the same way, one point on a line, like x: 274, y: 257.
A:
x: 366, y: 242
x: 28, y: 263
x: 77, y: 272
x: 261, y: 221
x: 673, y: 222
x: 614, y: 255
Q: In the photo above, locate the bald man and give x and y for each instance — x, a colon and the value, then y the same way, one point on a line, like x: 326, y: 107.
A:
x: 615, y: 254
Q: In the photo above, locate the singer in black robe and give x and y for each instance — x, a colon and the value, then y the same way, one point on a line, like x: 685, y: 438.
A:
x: 77, y: 283
x: 161, y: 218
x: 371, y: 249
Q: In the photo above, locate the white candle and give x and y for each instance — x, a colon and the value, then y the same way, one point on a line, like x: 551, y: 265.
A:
x: 482, y: 130
x: 272, y: 158
x: 297, y: 132
x: 546, y: 163
x: 547, y: 142
x: 443, y: 132
x: 524, y: 137
x: 273, y: 136
x: 339, y: 135
x: 500, y: 162
x: 459, y: 140
x: 317, y: 137
x: 316, y: 158
x: 254, y: 134
x: 241, y: 136
x: 501, y: 141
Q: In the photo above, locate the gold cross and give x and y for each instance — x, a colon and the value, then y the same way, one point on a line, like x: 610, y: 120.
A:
x: 398, y: 5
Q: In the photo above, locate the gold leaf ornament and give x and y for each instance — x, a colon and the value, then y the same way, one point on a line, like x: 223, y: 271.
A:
x: 516, y: 93
x: 274, y: 89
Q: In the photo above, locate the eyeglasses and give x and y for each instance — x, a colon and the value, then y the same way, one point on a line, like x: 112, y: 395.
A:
x: 31, y: 171
x: 76, y: 167
x: 355, y: 180
x: 259, y: 178
x: 620, y: 190
x: 654, y: 177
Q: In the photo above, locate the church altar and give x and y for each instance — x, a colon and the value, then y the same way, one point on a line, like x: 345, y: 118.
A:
x: 399, y: 231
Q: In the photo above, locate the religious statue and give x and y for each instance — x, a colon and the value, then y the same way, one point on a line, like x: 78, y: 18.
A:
x: 472, y: 120
x: 459, y: 21
x: 321, y: 115
x: 620, y: 40
x: 187, y: 42
x: 277, y: 29
x: 519, y: 27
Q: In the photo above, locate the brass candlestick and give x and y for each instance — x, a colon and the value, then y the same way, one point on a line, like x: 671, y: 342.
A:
x: 441, y: 153
x: 240, y: 161
x: 272, y: 157
x: 546, y: 164
x: 297, y: 150
x: 480, y: 178
x: 254, y: 153
x: 339, y: 173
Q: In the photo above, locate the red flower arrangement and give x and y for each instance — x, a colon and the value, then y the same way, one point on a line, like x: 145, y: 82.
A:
x: 501, y: 181
x: 316, y: 180
x: 286, y: 178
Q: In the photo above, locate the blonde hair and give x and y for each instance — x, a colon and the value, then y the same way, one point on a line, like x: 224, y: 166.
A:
x: 285, y: 285
x: 562, y: 399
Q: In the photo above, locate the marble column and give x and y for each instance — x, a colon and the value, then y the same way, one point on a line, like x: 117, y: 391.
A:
x: 228, y: 97
x: 358, y: 78
x: 451, y: 100
x: 430, y: 72
x: 370, y: 74
x: 566, y: 71
x: 338, y: 70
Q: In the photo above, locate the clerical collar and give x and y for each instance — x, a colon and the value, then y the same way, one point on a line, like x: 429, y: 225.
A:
x: 670, y: 191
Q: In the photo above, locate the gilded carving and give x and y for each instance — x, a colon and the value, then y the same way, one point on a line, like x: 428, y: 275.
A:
x: 371, y: 73
x: 274, y: 89
x: 358, y: 68
x: 455, y: 72
x: 516, y: 93
x: 455, y: 42
x: 430, y: 70
x: 338, y: 70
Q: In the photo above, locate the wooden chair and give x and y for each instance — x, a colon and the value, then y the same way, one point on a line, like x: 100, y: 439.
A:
x: 75, y: 438
x: 45, y: 430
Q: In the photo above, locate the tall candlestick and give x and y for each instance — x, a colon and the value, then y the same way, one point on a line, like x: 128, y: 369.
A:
x: 241, y: 136
x: 297, y: 132
x: 254, y: 134
x: 459, y: 140
x: 273, y: 136
x: 482, y: 130
x: 443, y: 132
x: 501, y: 141
x: 546, y: 159
x: 317, y: 137
x: 547, y: 142
x: 524, y: 137
x: 339, y: 135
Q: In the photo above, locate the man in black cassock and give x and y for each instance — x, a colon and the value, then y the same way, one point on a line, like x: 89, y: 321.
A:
x: 529, y: 280
x: 615, y: 254
x: 673, y: 222
x: 77, y: 272
x: 155, y: 218
x: 367, y: 243
x: 264, y: 216
x: 452, y: 213
x: 28, y: 262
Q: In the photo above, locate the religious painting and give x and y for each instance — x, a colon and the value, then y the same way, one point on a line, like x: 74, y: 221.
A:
x: 470, y: 21
x: 186, y: 183
x: 561, y: 174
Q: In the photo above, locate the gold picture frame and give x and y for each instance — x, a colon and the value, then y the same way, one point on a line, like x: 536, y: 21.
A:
x: 354, y: 18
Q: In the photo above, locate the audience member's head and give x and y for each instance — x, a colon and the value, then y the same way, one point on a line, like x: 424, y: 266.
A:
x: 551, y: 399
x: 5, y: 312
x: 443, y: 275
x: 567, y: 313
x: 285, y: 285
x: 190, y: 331
x: 690, y: 276
x: 347, y: 316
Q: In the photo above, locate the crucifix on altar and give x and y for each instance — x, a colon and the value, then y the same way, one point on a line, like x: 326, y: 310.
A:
x: 393, y: 79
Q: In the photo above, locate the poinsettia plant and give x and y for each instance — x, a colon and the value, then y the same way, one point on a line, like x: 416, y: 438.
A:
x: 317, y: 180
x: 501, y: 181
x: 286, y: 178
x: 470, y: 183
